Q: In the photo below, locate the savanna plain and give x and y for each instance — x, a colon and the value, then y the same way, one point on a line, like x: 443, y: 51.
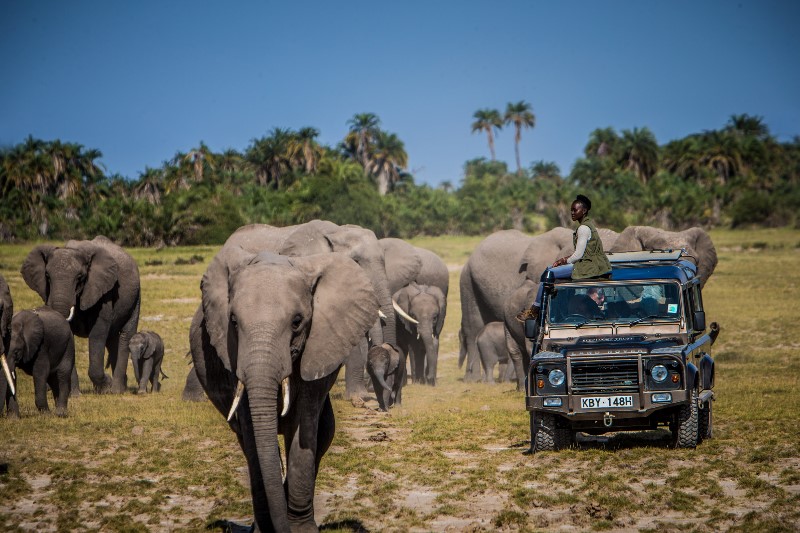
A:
x: 451, y: 458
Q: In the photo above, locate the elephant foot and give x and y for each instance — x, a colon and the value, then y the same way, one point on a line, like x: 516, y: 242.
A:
x: 105, y: 386
x: 74, y: 393
x: 471, y: 378
x: 357, y: 401
x: 61, y: 413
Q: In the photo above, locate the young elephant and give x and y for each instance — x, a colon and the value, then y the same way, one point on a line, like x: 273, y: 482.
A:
x: 42, y: 346
x: 386, y: 372
x: 147, y: 354
x: 492, y: 349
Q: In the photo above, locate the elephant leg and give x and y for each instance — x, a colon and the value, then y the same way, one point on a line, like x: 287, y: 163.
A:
x: 355, y: 382
x: 97, y: 352
x: 380, y: 386
x: 325, y: 430
x: 146, y: 375
x: 118, y: 353
x: 75, y: 386
x: 63, y: 380
x: 516, y: 356
x: 193, y: 390
x: 41, y: 372
x: 156, y: 379
x: 470, y: 327
x: 302, y: 441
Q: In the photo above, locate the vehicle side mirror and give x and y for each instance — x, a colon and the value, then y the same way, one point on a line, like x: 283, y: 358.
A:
x: 699, y: 319
x: 531, y: 328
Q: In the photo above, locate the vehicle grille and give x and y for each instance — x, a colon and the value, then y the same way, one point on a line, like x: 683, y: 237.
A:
x: 620, y: 375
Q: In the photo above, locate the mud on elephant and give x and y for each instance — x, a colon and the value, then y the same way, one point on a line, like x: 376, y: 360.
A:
x: 95, y: 286
x: 267, y: 342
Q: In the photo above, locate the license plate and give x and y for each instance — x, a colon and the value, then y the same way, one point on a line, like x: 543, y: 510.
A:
x: 606, y: 402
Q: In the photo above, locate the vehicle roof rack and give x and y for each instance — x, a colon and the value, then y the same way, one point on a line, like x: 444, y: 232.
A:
x: 646, y: 256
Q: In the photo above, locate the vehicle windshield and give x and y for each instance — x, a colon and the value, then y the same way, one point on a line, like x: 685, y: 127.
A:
x: 631, y: 302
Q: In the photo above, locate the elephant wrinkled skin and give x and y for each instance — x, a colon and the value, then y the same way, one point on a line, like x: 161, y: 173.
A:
x: 95, y: 286
x: 271, y: 334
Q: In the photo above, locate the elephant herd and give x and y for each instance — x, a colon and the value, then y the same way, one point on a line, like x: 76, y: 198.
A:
x: 282, y: 310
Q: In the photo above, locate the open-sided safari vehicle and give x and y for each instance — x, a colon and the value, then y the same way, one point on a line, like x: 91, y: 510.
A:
x: 627, y: 352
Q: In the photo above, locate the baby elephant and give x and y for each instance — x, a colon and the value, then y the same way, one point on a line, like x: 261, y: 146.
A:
x: 41, y: 345
x: 492, y: 348
x: 147, y: 354
x: 383, y: 366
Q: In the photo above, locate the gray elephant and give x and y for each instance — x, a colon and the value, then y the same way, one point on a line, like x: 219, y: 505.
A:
x: 492, y: 349
x: 386, y: 372
x: 147, y: 354
x: 421, y: 309
x: 320, y: 236
x: 42, y: 345
x: 499, y: 280
x: 267, y: 342
x: 695, y: 241
x: 95, y: 286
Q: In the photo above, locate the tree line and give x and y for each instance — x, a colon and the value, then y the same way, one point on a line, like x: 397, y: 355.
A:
x: 737, y: 175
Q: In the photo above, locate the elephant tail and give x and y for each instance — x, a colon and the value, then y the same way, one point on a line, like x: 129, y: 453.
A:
x: 163, y: 375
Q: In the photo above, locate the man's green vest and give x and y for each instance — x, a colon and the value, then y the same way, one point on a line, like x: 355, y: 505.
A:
x: 594, y: 261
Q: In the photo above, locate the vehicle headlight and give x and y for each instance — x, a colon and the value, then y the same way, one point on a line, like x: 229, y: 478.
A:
x: 556, y: 377
x: 659, y: 373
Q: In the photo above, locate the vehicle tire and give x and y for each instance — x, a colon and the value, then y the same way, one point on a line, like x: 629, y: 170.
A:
x: 547, y: 436
x: 705, y: 425
x: 686, y: 426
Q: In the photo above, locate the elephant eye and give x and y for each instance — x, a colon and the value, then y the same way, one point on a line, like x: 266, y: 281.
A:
x: 296, y: 321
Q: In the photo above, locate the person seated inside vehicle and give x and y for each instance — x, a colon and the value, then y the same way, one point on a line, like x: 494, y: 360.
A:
x: 588, y: 304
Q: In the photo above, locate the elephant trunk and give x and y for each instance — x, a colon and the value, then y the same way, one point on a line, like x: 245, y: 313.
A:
x: 263, y: 384
x: 63, y: 301
x: 380, y: 284
x: 431, y: 344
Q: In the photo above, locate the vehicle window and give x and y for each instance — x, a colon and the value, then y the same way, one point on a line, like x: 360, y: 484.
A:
x: 614, y: 302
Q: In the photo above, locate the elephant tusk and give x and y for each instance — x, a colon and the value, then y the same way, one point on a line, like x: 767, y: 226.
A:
x: 71, y: 313
x: 285, y: 388
x: 402, y: 313
x: 417, y: 336
x: 236, y: 399
x: 283, y: 467
x: 380, y: 314
x: 7, y: 372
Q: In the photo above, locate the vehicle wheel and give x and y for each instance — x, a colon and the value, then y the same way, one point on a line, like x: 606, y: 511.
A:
x: 547, y: 436
x: 705, y: 425
x: 686, y: 426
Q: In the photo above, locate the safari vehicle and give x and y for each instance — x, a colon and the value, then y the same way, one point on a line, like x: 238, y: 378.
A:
x: 627, y: 352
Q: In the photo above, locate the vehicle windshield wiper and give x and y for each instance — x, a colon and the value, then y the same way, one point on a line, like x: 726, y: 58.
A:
x: 642, y: 319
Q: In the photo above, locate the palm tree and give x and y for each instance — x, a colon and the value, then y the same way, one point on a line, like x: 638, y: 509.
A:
x: 639, y: 152
x: 748, y: 126
x: 150, y: 186
x: 387, y: 157
x: 200, y: 157
x: 271, y: 156
x: 488, y: 120
x: 308, y: 148
x: 521, y: 115
x: 363, y: 129
x: 602, y: 142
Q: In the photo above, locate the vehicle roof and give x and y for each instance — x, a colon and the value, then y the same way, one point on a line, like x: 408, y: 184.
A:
x: 633, y: 266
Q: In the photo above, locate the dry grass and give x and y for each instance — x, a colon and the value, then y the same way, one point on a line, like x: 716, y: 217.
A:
x: 451, y: 458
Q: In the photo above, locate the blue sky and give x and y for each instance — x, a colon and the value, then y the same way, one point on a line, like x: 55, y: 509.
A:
x: 142, y: 80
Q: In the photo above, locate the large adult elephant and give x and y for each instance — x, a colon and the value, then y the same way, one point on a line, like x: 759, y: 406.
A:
x: 695, y: 241
x: 269, y: 337
x: 420, y: 279
x: 95, y: 286
x: 502, y: 275
x: 499, y: 279
x: 319, y: 236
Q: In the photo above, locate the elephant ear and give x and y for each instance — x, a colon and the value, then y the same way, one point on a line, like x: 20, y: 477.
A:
x: 147, y: 350
x: 345, y: 307
x: 403, y: 263
x: 102, y: 273
x: 6, y: 312
x: 33, y: 333
x: 33, y: 269
x: 441, y: 301
x: 215, y: 288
